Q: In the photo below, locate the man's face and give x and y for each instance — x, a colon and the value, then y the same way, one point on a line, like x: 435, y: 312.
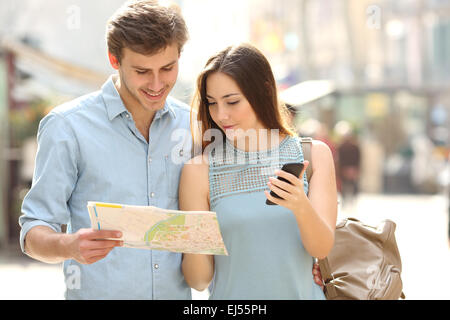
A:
x: 147, y: 80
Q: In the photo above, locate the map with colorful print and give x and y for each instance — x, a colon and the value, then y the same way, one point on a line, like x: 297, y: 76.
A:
x: 147, y: 227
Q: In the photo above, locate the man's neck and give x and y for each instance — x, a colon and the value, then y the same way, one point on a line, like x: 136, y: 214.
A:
x: 142, y: 118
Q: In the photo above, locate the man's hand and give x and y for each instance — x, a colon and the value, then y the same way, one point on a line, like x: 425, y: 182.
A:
x: 317, y: 275
x: 88, y: 246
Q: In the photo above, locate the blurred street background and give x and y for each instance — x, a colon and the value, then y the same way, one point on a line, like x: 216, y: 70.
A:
x: 369, y: 78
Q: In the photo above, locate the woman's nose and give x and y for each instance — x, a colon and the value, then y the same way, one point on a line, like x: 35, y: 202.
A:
x: 222, y: 113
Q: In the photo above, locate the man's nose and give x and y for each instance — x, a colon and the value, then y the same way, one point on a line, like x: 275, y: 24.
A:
x: 155, y: 83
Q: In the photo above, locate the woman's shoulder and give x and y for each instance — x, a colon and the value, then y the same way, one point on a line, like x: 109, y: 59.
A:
x: 201, y: 160
x: 320, y: 146
x: 317, y: 146
x: 320, y: 153
x: 194, y: 185
x: 196, y: 167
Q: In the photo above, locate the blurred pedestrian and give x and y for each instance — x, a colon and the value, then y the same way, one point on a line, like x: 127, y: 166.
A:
x: 323, y: 134
x: 319, y: 131
x: 349, y: 161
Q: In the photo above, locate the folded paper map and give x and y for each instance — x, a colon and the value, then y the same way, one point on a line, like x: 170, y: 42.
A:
x: 147, y: 227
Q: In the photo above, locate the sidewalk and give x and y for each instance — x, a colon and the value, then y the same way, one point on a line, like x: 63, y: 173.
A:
x: 22, y: 278
x: 421, y: 234
x: 422, y: 239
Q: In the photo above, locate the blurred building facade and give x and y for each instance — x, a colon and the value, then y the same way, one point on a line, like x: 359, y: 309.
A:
x: 389, y: 61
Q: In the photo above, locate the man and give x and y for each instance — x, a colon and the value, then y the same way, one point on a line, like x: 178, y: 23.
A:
x: 114, y: 145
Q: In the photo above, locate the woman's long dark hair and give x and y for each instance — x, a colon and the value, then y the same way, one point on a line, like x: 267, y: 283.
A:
x: 246, y: 65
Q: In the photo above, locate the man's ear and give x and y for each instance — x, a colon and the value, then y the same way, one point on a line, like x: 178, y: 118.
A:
x: 113, y: 61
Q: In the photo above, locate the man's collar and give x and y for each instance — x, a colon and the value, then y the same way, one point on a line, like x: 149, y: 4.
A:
x: 115, y: 106
x: 113, y: 102
x: 167, y: 108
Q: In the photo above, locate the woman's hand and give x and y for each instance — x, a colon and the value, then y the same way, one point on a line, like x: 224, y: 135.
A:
x: 292, y: 194
x: 316, y: 213
x: 317, y: 276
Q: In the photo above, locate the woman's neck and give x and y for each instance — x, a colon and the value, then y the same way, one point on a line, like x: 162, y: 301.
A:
x: 258, y: 140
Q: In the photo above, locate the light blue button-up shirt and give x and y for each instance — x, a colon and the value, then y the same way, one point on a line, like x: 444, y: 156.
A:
x: 90, y: 150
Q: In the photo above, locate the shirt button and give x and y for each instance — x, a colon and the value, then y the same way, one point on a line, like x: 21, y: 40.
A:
x: 152, y: 194
x: 149, y: 160
x: 156, y: 266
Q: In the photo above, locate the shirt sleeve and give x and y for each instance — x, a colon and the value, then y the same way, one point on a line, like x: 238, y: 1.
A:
x: 54, y: 179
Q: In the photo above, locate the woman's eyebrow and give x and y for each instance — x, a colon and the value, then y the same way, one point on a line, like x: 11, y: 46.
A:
x: 229, y: 95
x: 225, y: 96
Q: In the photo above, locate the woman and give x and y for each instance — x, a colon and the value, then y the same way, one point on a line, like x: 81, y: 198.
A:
x: 271, y: 247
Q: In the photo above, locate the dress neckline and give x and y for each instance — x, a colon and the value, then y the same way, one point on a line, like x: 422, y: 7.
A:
x: 282, y: 142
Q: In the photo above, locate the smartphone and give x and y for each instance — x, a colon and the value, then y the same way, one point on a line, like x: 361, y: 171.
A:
x: 294, y: 168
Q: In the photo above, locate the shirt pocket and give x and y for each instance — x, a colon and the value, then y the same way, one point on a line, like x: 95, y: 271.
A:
x: 173, y: 165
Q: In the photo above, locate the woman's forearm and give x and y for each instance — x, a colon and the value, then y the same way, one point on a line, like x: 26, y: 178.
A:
x: 317, y: 237
x: 198, y: 270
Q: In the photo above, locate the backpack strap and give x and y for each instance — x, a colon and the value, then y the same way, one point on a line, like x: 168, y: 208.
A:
x: 325, y: 270
x: 306, y: 146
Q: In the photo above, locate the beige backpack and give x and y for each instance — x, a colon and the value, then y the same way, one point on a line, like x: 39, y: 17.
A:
x: 364, y: 263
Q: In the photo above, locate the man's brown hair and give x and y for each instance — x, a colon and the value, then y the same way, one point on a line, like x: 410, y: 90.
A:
x: 145, y: 27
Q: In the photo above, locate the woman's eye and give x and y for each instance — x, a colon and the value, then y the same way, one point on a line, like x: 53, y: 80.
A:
x: 210, y: 103
x: 233, y: 102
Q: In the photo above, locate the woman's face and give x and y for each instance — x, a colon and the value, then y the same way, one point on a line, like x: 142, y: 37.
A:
x: 229, y: 108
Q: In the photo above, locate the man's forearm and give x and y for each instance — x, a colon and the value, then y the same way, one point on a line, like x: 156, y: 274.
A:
x: 44, y: 244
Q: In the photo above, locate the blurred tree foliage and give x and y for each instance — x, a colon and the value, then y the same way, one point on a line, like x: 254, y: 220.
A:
x: 24, y: 122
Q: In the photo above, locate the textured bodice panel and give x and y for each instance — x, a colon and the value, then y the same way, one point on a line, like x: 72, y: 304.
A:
x: 233, y: 171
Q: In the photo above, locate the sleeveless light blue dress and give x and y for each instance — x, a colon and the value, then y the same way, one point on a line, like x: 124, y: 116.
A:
x: 266, y: 258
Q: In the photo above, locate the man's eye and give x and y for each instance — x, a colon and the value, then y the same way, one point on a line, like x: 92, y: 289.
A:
x: 168, y: 69
x: 141, y: 72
